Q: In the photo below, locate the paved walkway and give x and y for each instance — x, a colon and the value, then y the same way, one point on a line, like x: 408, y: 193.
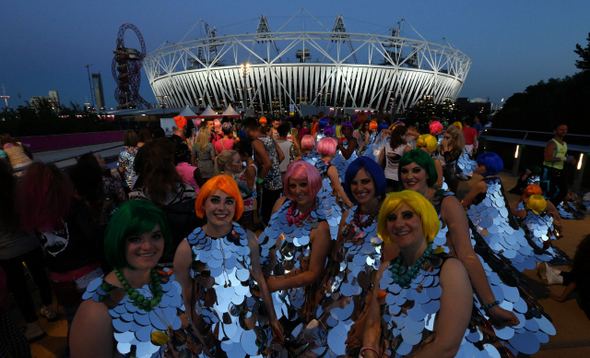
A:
x: 573, y: 327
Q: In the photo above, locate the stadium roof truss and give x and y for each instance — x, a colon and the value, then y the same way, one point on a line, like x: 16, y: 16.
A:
x: 346, y: 70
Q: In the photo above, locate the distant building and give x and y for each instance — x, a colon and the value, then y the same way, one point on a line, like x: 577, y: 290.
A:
x: 54, y: 99
x: 98, y: 93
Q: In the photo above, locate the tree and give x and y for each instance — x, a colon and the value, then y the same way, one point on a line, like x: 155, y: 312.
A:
x: 584, y: 53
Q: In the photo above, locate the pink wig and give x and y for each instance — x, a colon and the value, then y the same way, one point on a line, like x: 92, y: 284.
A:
x: 435, y: 127
x: 307, y: 142
x: 327, y: 146
x: 300, y: 170
x: 45, y: 196
x: 217, y: 124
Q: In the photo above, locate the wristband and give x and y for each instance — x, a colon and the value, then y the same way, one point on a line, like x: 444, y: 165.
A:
x: 490, y: 305
x: 562, y: 159
x: 259, y: 180
x: 368, y: 349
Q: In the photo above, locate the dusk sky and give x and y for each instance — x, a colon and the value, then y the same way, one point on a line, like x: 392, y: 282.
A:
x: 512, y: 44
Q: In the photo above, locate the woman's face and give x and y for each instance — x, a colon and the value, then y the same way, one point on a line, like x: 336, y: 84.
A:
x: 414, y: 177
x: 480, y: 169
x: 405, y: 227
x: 143, y: 251
x: 220, y: 208
x: 236, y: 164
x: 362, y: 187
x: 346, y: 131
x: 424, y: 148
x: 299, y: 190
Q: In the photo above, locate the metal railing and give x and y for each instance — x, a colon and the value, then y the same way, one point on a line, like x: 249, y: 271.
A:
x: 578, y: 143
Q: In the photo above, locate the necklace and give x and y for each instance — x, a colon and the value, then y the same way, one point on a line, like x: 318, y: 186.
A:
x: 356, y: 219
x: 139, y: 300
x: 299, y: 218
x: 397, y: 268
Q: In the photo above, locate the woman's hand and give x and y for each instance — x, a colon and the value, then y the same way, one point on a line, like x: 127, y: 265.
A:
x: 500, y: 317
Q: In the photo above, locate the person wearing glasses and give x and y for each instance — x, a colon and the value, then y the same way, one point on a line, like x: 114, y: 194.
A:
x: 449, y: 151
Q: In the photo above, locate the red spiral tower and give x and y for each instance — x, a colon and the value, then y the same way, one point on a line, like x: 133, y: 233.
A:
x: 126, y: 68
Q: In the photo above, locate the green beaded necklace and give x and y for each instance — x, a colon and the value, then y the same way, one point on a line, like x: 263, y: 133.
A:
x: 397, y: 268
x: 137, y: 299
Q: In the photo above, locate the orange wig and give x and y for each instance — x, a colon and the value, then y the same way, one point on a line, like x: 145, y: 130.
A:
x: 224, y: 183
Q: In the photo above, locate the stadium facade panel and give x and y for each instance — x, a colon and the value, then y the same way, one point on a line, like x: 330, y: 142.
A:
x: 276, y: 71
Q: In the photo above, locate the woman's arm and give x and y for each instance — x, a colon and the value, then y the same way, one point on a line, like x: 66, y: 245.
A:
x: 454, y: 314
x: 439, y: 171
x: 347, y: 152
x: 265, y: 295
x: 250, y: 173
x: 568, y: 289
x: 381, y: 160
x: 92, y: 331
x: 458, y: 226
x: 333, y: 175
x: 182, y: 263
x: 320, y: 247
x: 372, y: 335
x: 478, y: 188
x: 279, y: 152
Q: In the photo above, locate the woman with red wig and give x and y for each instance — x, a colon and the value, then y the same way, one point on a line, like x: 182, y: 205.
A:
x: 218, y: 267
x: 49, y: 207
x: 294, y: 251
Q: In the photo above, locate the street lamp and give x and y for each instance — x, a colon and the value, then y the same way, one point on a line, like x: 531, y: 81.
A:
x: 244, y: 71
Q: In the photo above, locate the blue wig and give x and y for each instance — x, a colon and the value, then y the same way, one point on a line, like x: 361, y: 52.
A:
x: 322, y: 123
x: 381, y: 126
x: 372, y: 168
x: 492, y: 162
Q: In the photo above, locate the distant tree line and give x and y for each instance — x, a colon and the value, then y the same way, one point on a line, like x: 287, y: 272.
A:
x: 44, y: 119
x: 545, y: 104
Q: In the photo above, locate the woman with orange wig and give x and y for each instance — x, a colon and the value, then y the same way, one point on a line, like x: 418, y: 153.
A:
x: 218, y: 267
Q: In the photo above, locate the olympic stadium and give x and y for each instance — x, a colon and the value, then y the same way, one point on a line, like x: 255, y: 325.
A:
x: 290, y: 70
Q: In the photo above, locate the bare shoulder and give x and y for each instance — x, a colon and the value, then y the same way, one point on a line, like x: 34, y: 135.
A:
x: 278, y: 204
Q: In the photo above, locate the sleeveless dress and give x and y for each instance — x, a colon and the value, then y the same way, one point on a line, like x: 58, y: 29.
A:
x: 341, y: 163
x: 225, y: 295
x: 509, y: 289
x: 359, y: 256
x: 327, y: 199
x: 294, y: 307
x: 134, y: 326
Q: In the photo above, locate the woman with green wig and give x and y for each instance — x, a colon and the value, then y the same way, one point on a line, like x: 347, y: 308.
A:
x: 133, y: 310
x: 417, y: 286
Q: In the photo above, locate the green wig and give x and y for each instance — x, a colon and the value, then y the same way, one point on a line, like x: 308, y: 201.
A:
x: 423, y: 160
x: 133, y: 218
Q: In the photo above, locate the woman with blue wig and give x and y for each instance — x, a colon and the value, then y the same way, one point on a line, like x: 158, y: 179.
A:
x: 358, y: 254
x: 488, y: 209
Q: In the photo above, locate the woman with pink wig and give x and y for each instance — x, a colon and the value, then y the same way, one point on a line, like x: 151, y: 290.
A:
x: 308, y: 152
x: 294, y: 252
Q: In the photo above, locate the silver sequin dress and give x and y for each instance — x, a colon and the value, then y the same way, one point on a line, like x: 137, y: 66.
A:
x: 534, y: 327
x: 293, y: 255
x: 327, y: 198
x: 225, y: 293
x: 132, y: 325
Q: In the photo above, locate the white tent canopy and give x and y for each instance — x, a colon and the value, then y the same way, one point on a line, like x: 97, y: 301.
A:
x: 188, y: 113
x: 230, y: 112
x: 209, y: 113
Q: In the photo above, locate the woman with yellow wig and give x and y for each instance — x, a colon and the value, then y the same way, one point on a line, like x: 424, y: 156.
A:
x: 219, y: 270
x: 520, y: 209
x: 416, y: 286
x: 540, y: 231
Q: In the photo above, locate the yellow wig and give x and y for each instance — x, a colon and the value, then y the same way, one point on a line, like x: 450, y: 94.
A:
x: 458, y: 125
x: 428, y: 141
x: 536, y: 203
x: 224, y: 183
x: 419, y: 204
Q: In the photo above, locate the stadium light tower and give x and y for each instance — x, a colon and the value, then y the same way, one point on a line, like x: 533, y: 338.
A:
x: 244, y: 72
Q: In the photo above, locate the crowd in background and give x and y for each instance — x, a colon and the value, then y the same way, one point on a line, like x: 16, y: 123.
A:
x: 314, y: 190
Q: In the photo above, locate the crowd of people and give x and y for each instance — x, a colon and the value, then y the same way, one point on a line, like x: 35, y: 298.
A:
x: 301, y: 237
